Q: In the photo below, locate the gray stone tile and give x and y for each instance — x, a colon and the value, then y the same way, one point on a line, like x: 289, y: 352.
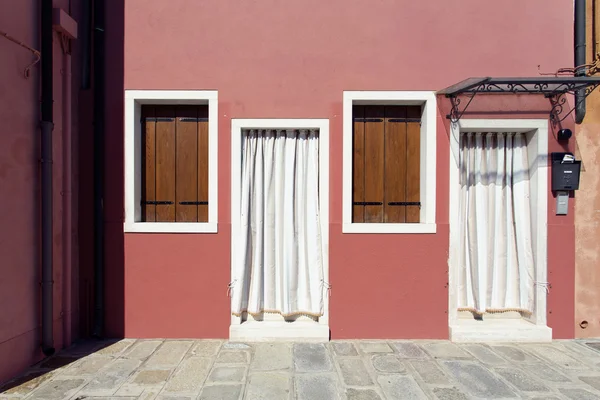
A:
x: 400, y: 387
x: 555, y: 356
x: 272, y: 357
x: 221, y: 392
x: 108, y: 381
x: 579, y: 394
x: 344, y: 348
x: 513, y: 353
x: 269, y: 385
x: 429, y: 372
x: 388, y: 364
x: 484, y: 354
x: 311, y: 357
x: 170, y: 397
x: 142, y: 349
x: 26, y: 383
x: 521, y: 380
x: 362, y: 394
x: 233, y: 357
x: 206, y: 348
x: 87, y: 365
x: 227, y: 374
x: 546, y: 373
x: 478, y: 380
x: 115, y: 348
x: 354, y: 372
x: 409, y: 350
x: 236, y: 345
x: 593, y: 381
x: 374, y: 347
x: 545, y: 398
x: 109, y: 398
x: 316, y: 387
x: 169, y: 354
x: 445, y: 350
x: 58, y: 389
x: 449, y: 394
x: 190, y: 375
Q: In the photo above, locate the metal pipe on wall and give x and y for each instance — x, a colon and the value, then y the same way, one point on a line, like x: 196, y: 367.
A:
x: 99, y: 90
x: 47, y: 126
x: 580, y: 6
x: 67, y: 196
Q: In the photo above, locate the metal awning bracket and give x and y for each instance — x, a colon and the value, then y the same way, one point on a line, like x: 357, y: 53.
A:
x: 553, y: 88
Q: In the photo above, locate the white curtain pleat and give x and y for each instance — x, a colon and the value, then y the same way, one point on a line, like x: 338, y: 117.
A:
x: 496, y: 256
x: 279, y: 267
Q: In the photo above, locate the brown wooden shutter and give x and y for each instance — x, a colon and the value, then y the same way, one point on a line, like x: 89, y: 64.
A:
x: 186, y: 191
x: 386, y: 158
x: 395, y: 164
x: 413, y: 162
x: 175, y: 164
x: 148, y: 164
x: 165, y: 164
x: 203, y: 164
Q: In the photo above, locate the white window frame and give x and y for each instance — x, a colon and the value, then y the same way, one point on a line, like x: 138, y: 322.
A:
x: 533, y: 329
x: 134, y: 99
x: 274, y: 328
x: 427, y: 100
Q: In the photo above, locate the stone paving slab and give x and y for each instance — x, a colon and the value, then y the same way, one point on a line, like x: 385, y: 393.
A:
x: 344, y: 370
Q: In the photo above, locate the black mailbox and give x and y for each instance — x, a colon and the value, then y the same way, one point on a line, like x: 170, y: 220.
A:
x: 565, y: 172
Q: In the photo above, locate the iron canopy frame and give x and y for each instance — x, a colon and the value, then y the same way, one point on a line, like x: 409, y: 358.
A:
x: 553, y: 88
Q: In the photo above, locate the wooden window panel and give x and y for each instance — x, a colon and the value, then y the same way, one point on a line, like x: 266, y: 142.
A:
x: 202, y: 209
x: 148, y: 164
x: 413, y: 161
x: 186, y: 182
x: 374, y: 163
x: 165, y: 164
x: 358, y: 165
x: 395, y: 164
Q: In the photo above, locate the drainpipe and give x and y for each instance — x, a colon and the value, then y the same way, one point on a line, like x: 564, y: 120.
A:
x: 580, y: 57
x: 47, y: 126
x: 98, y: 72
x: 67, y: 195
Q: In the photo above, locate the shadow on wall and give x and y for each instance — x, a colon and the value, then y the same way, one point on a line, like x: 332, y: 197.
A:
x: 108, y: 91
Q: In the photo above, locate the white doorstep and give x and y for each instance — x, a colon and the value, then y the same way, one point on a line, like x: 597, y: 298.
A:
x: 499, y: 330
x: 274, y: 331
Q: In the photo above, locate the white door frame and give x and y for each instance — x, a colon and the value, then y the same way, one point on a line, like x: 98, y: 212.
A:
x: 264, y: 330
x: 537, y: 148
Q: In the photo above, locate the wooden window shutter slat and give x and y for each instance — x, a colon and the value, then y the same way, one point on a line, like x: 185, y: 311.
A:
x: 413, y: 160
x: 374, y: 163
x: 395, y: 164
x: 202, y: 209
x: 358, y: 165
x: 148, y: 164
x: 165, y: 164
x: 186, y: 164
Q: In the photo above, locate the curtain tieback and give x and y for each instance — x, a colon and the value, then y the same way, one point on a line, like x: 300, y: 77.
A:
x: 230, y: 287
x: 546, y: 285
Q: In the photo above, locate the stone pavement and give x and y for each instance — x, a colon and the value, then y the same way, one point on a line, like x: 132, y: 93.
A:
x: 345, y: 370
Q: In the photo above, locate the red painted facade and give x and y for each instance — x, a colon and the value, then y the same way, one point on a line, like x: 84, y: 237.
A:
x: 267, y: 59
x: 275, y: 59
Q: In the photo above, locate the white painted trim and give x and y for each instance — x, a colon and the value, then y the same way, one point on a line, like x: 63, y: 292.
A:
x: 271, y: 330
x: 537, y: 130
x: 134, y: 99
x: 428, y: 159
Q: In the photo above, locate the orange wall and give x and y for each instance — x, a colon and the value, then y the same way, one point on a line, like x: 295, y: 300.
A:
x: 274, y: 59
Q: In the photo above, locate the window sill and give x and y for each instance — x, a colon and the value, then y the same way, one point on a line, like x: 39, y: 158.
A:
x: 388, y: 228
x: 170, y: 227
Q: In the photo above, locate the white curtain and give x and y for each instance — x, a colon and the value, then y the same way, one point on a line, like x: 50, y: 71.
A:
x: 278, y: 265
x: 496, y: 257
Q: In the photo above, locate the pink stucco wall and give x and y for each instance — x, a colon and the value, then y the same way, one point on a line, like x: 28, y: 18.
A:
x: 276, y: 59
x: 20, y: 330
